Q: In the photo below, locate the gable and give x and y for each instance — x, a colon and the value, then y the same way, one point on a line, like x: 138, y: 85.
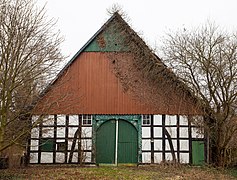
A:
x: 116, y: 73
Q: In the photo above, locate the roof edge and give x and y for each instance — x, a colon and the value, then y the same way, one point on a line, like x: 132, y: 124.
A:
x: 77, y: 54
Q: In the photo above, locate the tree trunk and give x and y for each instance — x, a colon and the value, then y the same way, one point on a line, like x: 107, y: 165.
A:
x: 218, y: 156
x: 2, y: 134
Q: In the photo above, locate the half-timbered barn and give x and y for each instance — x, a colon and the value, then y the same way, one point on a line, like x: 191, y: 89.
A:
x: 115, y: 102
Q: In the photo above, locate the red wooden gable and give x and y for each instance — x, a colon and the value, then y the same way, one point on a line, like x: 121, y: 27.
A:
x: 90, y: 84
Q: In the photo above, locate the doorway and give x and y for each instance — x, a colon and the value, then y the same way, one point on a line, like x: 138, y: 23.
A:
x: 116, y: 143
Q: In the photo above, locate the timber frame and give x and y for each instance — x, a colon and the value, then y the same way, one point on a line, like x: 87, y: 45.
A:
x: 108, y: 80
x: 164, y: 139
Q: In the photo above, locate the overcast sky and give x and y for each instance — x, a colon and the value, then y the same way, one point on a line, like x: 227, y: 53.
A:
x: 78, y: 20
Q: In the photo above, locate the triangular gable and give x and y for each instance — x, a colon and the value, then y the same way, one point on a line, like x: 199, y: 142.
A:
x: 141, y: 73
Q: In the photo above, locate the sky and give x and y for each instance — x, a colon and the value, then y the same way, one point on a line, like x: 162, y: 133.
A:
x: 79, y: 20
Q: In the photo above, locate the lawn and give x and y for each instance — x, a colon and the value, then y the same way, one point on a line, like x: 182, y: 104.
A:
x: 140, y: 172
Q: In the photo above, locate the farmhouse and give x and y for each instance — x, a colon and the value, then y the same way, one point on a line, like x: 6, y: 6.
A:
x: 115, y: 102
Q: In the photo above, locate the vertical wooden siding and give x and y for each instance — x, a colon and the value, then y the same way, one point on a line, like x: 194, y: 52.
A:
x: 100, y: 89
x: 89, y: 86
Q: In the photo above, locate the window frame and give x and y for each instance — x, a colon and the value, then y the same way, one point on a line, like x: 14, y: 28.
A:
x: 147, y: 120
x: 87, y: 119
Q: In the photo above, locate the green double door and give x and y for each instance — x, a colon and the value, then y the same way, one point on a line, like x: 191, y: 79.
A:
x: 116, y: 142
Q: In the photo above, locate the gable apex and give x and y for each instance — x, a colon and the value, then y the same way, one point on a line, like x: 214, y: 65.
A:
x: 114, y: 17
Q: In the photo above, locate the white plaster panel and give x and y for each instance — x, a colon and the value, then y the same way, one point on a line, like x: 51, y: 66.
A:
x: 157, y: 157
x: 34, y: 145
x: 46, y: 157
x: 157, y: 119
x: 48, y: 132
x: 196, y: 133
x: 146, y: 144
x: 170, y: 120
x: 183, y: 132
x: 158, y: 145
x: 167, y: 145
x: 158, y: 132
x: 72, y: 131
x: 33, y: 157
x: 172, y: 131
x: 48, y: 120
x: 168, y: 157
x: 146, y: 132
x: 86, y: 157
x: 60, y: 140
x: 35, y: 132
x: 70, y: 144
x: 86, y: 132
x: 34, y: 118
x: 60, y: 157
x: 61, y: 120
x: 184, y: 157
x: 184, y: 145
x: 60, y: 132
x: 74, y: 157
x: 86, y: 144
x: 73, y: 120
x: 146, y: 157
x: 183, y: 120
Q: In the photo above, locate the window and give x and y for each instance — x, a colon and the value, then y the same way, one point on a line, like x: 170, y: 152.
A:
x: 61, y: 146
x: 87, y: 119
x: 146, y: 119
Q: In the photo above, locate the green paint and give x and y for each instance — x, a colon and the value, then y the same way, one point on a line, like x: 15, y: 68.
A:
x: 134, y: 119
x: 198, y: 152
x: 129, y: 140
x: 47, y: 144
x: 127, y: 143
x: 105, y: 141
x: 109, y: 40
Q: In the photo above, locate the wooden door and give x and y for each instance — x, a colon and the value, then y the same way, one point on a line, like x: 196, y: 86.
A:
x: 127, y: 143
x: 105, y: 143
x: 198, y: 153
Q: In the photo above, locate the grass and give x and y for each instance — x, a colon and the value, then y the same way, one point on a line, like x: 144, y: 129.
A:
x: 233, y: 172
x: 140, y: 172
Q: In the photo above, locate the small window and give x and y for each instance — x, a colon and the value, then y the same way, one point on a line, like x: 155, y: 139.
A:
x: 61, y: 146
x: 87, y: 119
x: 146, y: 119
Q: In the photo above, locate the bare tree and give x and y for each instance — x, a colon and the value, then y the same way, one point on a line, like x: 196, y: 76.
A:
x: 205, y: 59
x: 29, y: 53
